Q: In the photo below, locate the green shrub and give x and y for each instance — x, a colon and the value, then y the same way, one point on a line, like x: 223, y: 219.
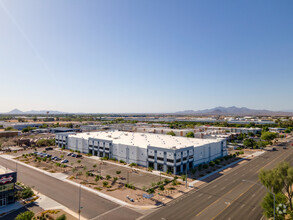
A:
x: 161, y: 187
x: 28, y: 215
x: 130, y: 186
x: 108, y: 177
x: 27, y: 193
x: 205, y: 166
x: 150, y: 190
x: 166, y: 181
x: 61, y: 217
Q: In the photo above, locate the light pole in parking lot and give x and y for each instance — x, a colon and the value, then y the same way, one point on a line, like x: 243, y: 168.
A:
x: 128, y: 177
x: 269, y: 192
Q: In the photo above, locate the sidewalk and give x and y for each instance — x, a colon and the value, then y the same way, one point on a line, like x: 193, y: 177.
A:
x: 9, y: 208
x: 63, y: 178
x: 191, y: 184
x: 47, y: 203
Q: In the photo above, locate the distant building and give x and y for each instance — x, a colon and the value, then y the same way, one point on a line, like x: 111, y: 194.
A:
x: 162, y: 152
x: 7, y: 134
x: 7, y: 186
x: 20, y: 126
x: 277, y: 130
x: 63, y: 130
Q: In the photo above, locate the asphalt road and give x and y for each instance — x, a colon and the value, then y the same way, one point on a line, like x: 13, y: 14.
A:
x: 235, y: 195
x: 68, y: 194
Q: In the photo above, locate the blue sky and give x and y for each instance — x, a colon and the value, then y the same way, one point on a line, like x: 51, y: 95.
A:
x: 145, y: 55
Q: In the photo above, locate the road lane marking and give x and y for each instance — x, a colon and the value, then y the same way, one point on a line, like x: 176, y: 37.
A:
x: 198, y: 214
x: 233, y: 201
x: 105, y: 213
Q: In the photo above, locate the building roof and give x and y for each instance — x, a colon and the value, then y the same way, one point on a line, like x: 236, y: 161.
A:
x: 146, y: 139
x: 4, y: 170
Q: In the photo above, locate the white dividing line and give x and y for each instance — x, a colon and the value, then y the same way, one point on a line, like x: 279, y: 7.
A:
x: 223, y: 188
x: 209, y: 197
x: 253, y: 195
x: 105, y: 213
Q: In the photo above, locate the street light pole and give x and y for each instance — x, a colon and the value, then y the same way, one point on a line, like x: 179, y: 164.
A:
x: 127, y: 177
x: 79, y: 201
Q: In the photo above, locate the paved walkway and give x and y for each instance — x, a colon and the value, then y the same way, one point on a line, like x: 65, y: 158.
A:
x: 63, y: 177
x: 225, y: 167
x: 10, y: 207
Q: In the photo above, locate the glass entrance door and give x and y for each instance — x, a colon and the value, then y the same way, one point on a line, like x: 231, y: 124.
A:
x: 3, y: 201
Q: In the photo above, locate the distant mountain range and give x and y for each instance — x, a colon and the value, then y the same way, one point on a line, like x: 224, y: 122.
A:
x: 33, y: 112
x: 233, y: 110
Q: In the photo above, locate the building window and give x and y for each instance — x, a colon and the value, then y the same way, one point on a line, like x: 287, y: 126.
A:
x: 178, y: 160
x: 7, y: 187
x: 151, y: 157
x: 170, y: 161
x: 160, y: 158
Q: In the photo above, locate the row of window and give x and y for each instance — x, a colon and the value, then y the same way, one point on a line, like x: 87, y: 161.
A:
x: 6, y: 187
x: 171, y: 160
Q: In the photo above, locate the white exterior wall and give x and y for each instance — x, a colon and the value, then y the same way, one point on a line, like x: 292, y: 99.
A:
x: 215, y: 150
x: 130, y: 154
x: 79, y: 144
x: 119, y: 151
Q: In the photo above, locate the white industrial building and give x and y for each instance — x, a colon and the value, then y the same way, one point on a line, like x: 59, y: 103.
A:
x: 162, y: 152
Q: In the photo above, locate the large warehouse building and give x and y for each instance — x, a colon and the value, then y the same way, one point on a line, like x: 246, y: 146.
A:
x: 162, y: 152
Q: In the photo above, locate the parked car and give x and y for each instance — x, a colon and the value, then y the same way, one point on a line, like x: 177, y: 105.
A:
x: 69, y: 154
x: 49, y: 155
x: 56, y: 158
x: 64, y: 161
x: 36, y: 152
x: 73, y: 155
x: 274, y: 149
x: 49, y: 148
x: 78, y: 156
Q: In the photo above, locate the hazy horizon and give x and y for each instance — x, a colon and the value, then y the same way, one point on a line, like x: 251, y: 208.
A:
x: 145, y: 56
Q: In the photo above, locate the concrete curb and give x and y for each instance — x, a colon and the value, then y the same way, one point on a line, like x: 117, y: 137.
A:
x: 63, y: 178
x: 225, y: 167
x: 157, y: 173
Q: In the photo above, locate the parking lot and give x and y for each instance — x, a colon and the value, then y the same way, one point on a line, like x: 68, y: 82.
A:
x: 139, y: 179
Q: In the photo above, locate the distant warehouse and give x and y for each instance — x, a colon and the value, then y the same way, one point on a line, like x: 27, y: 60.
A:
x: 162, y: 152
